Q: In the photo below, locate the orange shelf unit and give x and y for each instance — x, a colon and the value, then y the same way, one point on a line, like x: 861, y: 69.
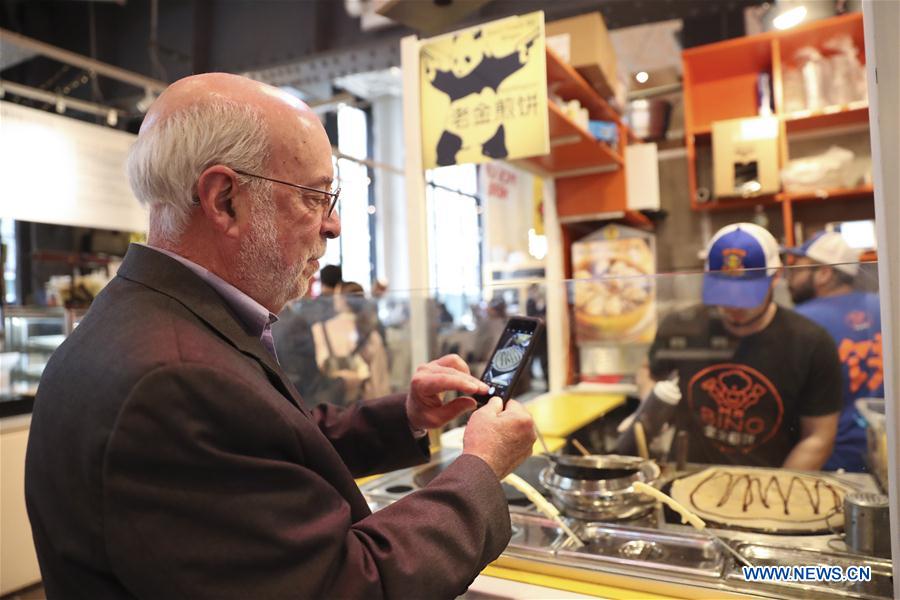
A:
x: 588, y: 196
x: 573, y: 149
x: 860, y: 193
x: 720, y: 82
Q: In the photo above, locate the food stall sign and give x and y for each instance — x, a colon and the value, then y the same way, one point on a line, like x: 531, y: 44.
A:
x: 483, y: 93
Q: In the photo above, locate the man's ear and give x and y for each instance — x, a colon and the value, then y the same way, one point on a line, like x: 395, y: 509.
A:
x: 216, y: 190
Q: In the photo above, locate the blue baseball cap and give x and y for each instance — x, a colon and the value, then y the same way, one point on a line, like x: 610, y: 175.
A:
x: 741, y: 261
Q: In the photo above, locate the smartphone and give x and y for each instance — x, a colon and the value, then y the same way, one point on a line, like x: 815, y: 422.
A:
x: 510, y: 358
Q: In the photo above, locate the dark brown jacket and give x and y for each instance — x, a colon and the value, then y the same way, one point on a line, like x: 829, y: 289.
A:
x: 170, y: 457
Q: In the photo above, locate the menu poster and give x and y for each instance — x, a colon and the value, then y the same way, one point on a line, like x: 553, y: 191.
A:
x: 615, y: 294
x: 484, y: 93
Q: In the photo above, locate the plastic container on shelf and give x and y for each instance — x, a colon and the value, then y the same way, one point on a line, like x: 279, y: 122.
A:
x: 847, y: 79
x: 792, y: 91
x: 872, y: 410
x: 764, y: 95
x: 814, y: 72
x: 828, y: 170
x: 605, y: 131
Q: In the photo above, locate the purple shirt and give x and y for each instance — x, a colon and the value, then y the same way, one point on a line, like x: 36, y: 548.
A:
x: 256, y: 318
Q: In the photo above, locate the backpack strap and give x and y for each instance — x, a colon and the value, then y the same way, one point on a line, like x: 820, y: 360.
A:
x: 362, y: 342
x: 327, y: 339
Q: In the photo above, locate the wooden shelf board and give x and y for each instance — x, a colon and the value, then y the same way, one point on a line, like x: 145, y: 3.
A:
x: 575, y: 148
x: 833, y: 116
x: 863, y: 192
x: 568, y: 84
x: 734, y: 203
x: 638, y: 219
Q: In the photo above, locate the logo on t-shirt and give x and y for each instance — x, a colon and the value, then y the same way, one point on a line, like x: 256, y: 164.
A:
x: 858, y: 320
x: 864, y: 363
x: 738, y: 407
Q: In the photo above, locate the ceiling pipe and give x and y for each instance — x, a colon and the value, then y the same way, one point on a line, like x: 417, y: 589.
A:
x: 63, y: 102
x: 83, y: 62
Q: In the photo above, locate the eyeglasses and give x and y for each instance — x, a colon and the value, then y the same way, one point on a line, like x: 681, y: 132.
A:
x: 325, y: 204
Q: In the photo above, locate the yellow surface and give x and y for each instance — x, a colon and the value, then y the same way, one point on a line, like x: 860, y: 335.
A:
x: 553, y: 444
x: 572, y: 585
x: 560, y: 415
x: 602, y: 584
x: 367, y: 479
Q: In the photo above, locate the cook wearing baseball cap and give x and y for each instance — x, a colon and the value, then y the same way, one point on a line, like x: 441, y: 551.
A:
x: 764, y: 390
x: 826, y: 248
x: 821, y: 279
x: 742, y: 260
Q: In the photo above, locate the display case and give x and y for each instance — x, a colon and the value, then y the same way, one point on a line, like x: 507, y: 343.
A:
x: 31, y: 334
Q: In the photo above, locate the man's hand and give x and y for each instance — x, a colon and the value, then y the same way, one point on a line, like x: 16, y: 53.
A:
x: 501, y: 437
x: 448, y: 373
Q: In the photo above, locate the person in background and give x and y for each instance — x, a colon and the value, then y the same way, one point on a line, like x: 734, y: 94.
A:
x: 821, y: 281
x: 379, y: 289
x: 352, y: 337
x: 169, y: 455
x: 760, y: 385
x: 321, y: 308
x: 296, y: 351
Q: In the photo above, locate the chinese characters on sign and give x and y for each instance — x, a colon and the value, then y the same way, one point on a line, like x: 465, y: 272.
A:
x: 484, y: 93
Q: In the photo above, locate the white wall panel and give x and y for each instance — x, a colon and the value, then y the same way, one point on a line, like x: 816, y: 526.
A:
x: 55, y: 169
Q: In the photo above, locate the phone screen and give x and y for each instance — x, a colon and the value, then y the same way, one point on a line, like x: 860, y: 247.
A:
x: 511, y: 357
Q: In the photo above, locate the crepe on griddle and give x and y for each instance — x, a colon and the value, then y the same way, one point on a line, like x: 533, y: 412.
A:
x: 763, y: 499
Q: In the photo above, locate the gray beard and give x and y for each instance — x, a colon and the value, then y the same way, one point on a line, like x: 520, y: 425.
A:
x: 260, y: 267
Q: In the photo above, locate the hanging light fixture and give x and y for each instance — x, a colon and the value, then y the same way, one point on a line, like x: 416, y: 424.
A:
x: 790, y: 18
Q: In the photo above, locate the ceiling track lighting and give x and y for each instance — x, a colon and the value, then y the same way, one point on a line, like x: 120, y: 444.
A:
x: 61, y: 103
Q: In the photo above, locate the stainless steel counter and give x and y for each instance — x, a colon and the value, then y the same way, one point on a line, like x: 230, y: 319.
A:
x: 650, y: 548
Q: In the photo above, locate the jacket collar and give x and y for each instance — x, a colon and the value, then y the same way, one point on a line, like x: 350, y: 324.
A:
x: 167, y: 276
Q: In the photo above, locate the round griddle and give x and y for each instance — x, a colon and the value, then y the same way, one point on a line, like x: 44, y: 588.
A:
x: 672, y: 517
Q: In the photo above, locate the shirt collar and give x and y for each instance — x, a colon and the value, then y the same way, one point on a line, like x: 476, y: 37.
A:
x: 255, y: 317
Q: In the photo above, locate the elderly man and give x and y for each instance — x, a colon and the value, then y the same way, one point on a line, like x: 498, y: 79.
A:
x: 821, y: 280
x: 169, y: 455
x: 760, y: 384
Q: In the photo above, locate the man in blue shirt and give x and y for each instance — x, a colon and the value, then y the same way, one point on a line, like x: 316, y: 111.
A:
x: 821, y: 281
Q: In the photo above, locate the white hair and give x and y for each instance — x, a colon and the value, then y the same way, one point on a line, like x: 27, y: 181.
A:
x: 166, y: 161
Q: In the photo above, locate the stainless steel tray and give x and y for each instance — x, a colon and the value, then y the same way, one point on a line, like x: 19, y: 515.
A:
x: 617, y: 546
x: 643, y: 548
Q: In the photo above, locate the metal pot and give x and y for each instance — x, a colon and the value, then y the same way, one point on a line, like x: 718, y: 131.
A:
x: 867, y: 524
x: 649, y: 118
x: 600, y: 487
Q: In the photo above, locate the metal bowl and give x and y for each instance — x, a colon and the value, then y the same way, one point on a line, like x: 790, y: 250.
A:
x: 600, y: 487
